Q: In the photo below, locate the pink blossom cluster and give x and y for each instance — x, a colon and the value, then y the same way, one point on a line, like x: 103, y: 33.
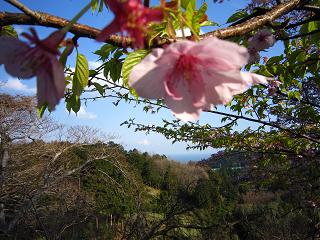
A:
x: 262, y: 40
x: 39, y: 59
x: 130, y: 17
x: 193, y: 76
x: 273, y: 87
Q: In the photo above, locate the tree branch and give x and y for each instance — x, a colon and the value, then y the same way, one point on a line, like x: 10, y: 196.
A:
x: 300, y: 35
x: 82, y: 30
x: 256, y: 22
x: 24, y: 9
x: 48, y: 20
x: 312, y: 8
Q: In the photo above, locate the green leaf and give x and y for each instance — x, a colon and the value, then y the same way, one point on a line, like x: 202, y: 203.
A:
x: 185, y: 3
x: 95, y: 4
x: 81, y: 74
x: 236, y: 16
x: 201, y: 11
x: 264, y: 71
x: 8, y: 31
x: 117, y: 54
x: 189, y: 13
x: 76, y: 104
x: 208, y: 23
x: 294, y: 95
x: 92, y: 73
x: 133, y: 59
x: 309, y: 27
x: 99, y: 88
x: 198, y: 16
x: 275, y: 59
x: 73, y: 103
x: 41, y: 110
x: 105, y: 51
x: 106, y: 70
x: 115, y: 69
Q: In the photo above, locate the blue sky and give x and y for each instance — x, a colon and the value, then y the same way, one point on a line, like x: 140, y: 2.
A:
x: 103, y: 114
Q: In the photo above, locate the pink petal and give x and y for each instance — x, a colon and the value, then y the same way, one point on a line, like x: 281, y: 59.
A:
x: 153, y: 15
x: 52, y: 42
x: 224, y: 85
x: 180, y: 47
x: 263, y: 39
x: 172, y: 85
x: 178, y: 87
x: 50, y: 83
x: 228, y: 53
x: 112, y: 28
x: 12, y: 55
x: 254, y: 56
x: 192, y: 100
x: 147, y: 77
x: 220, y: 87
x: 184, y: 109
x: 58, y: 78
x: 253, y: 78
x: 174, y: 51
x: 114, y: 5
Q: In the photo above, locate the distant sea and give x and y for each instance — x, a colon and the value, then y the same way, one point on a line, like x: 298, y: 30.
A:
x: 186, y: 157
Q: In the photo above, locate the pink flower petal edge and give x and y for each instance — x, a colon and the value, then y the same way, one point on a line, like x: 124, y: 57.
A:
x: 194, y: 76
x: 24, y: 61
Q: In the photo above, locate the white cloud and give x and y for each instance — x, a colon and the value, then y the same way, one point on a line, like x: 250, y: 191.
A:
x: 83, y: 114
x: 94, y: 64
x: 144, y: 142
x: 186, y: 32
x: 17, y: 85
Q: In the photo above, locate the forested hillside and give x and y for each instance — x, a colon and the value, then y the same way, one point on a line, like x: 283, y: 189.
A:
x: 62, y: 190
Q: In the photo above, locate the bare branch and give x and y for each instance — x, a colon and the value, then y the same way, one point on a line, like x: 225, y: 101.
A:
x: 48, y: 20
x: 82, y: 30
x: 256, y: 22
x: 25, y: 9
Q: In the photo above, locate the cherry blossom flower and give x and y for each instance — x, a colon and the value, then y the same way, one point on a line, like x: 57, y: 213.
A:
x: 130, y: 17
x: 254, y: 56
x: 24, y: 61
x: 273, y: 87
x: 265, y: 59
x: 193, y: 76
x: 69, y: 46
x: 263, y: 39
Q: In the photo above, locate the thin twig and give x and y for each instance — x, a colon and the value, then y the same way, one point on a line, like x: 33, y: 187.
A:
x: 25, y: 9
x: 300, y: 35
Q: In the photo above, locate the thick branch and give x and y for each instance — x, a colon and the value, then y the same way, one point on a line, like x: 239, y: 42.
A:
x: 256, y: 22
x: 48, y: 20
x: 82, y: 30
